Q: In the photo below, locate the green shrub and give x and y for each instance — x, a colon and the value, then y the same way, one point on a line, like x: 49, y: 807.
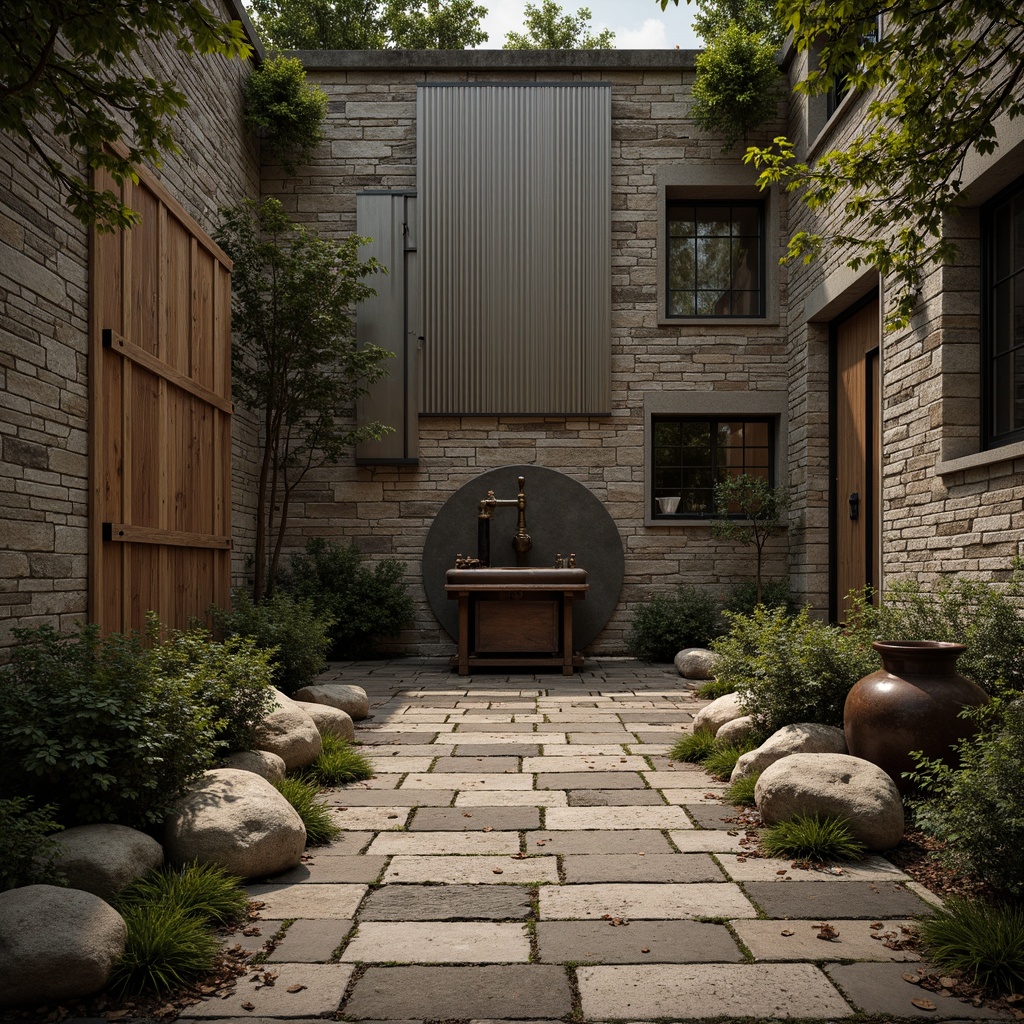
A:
x: 91, y: 726
x: 166, y: 949
x: 367, y: 604
x: 316, y: 816
x: 985, y: 942
x: 742, y: 599
x: 293, y: 631
x: 232, y: 678
x: 26, y: 851
x: 693, y: 747
x: 712, y: 689
x: 977, y: 809
x: 666, y: 624
x: 792, y: 669
x: 723, y: 757
x: 204, y: 892
x: 985, y: 617
x: 338, y: 764
x: 810, y: 837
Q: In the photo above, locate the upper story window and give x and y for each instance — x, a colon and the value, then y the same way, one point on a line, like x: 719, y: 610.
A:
x: 691, y: 455
x: 841, y: 86
x: 1003, y: 394
x: 715, y: 259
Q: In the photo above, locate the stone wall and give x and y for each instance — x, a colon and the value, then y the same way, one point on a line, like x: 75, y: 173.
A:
x: 44, y: 467
x: 387, y: 510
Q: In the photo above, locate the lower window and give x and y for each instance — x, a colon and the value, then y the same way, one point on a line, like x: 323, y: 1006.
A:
x: 691, y: 455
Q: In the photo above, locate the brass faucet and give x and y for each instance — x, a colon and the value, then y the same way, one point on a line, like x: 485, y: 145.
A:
x: 485, y: 513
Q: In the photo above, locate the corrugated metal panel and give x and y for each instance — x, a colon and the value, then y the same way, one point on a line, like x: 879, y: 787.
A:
x: 514, y: 185
x: 390, y: 319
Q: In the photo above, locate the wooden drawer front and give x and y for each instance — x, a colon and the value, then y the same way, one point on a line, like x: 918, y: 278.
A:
x: 522, y: 627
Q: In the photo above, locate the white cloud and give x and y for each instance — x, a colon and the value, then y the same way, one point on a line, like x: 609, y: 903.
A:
x: 651, y: 35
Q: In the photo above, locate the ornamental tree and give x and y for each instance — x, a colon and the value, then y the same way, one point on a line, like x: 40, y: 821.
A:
x: 294, y: 357
x: 67, y: 68
x: 548, y: 27
x: 939, y: 77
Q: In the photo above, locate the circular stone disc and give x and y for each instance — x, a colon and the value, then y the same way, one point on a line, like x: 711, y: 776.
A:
x: 562, y: 516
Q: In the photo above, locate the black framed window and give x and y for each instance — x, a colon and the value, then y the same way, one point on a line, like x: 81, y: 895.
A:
x: 1003, y: 395
x: 839, y: 88
x: 715, y: 259
x: 691, y: 455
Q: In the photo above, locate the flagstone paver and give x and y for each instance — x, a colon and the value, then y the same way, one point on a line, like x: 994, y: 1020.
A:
x: 528, y: 852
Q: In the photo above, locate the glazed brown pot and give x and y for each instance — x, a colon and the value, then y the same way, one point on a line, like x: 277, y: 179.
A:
x: 912, y: 703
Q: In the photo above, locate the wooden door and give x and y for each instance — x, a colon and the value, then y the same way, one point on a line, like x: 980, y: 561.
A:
x: 856, y: 456
x: 160, y: 417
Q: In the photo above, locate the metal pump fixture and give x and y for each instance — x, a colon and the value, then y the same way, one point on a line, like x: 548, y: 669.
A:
x: 485, y: 513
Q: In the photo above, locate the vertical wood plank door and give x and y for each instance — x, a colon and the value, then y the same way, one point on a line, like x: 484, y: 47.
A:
x: 856, y: 503
x: 160, y: 417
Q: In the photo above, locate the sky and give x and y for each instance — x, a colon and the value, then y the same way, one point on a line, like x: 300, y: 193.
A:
x: 637, y: 24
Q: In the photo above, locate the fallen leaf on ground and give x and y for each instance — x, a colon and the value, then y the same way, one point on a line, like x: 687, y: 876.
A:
x: 787, y: 932
x: 249, y: 1006
x: 923, y: 1004
x: 295, y: 988
x: 497, y: 871
x: 913, y: 979
x: 827, y: 932
x: 487, y: 828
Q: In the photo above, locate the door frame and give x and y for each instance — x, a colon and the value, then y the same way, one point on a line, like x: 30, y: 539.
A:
x: 873, y: 430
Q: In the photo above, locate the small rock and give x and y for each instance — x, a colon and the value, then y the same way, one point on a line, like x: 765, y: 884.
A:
x: 103, y: 859
x: 833, y: 784
x: 350, y: 699
x: 696, y: 663
x: 718, y: 712
x: 56, y: 944
x: 330, y: 721
x: 263, y: 763
x: 803, y: 738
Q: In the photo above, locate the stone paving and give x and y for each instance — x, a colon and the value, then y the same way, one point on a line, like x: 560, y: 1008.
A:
x: 527, y: 852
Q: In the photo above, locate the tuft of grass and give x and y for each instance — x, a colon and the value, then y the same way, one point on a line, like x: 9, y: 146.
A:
x: 723, y: 757
x: 166, y: 949
x: 985, y: 942
x: 811, y: 837
x: 742, y: 791
x: 201, y: 891
x: 714, y: 688
x: 338, y: 764
x: 317, y: 817
x: 694, y: 747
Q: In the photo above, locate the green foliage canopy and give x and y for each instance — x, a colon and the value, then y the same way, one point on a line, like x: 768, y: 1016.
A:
x: 370, y: 24
x: 294, y: 357
x: 714, y: 16
x: 548, y: 27
x: 67, y: 67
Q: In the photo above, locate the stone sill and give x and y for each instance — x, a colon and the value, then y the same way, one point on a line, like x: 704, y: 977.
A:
x: 991, y: 457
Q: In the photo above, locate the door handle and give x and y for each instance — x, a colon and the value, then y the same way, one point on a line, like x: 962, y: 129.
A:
x: 855, y: 506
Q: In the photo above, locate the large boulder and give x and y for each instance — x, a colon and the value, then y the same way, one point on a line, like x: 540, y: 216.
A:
x: 718, y: 712
x: 803, y: 738
x: 736, y: 731
x: 238, y: 821
x: 265, y: 764
x: 331, y: 721
x: 833, y: 784
x: 696, y: 663
x: 350, y: 699
x: 103, y: 859
x: 56, y: 944
x: 290, y: 733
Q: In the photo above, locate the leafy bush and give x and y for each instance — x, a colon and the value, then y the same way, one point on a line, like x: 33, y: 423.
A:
x: 91, y: 726
x: 986, y: 617
x: 774, y: 594
x: 26, y: 851
x: 232, y: 678
x: 666, y: 624
x: 985, y: 942
x: 976, y: 809
x: 792, y: 669
x: 292, y: 632
x: 316, y: 816
x: 367, y: 604
x: 166, y: 949
x: 338, y: 764
x: 810, y: 837
x: 201, y: 891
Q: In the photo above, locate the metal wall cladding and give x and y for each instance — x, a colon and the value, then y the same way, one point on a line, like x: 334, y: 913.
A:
x: 514, y: 185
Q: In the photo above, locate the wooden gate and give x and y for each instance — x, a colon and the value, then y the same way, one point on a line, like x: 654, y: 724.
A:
x: 856, y: 494
x: 160, y: 417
